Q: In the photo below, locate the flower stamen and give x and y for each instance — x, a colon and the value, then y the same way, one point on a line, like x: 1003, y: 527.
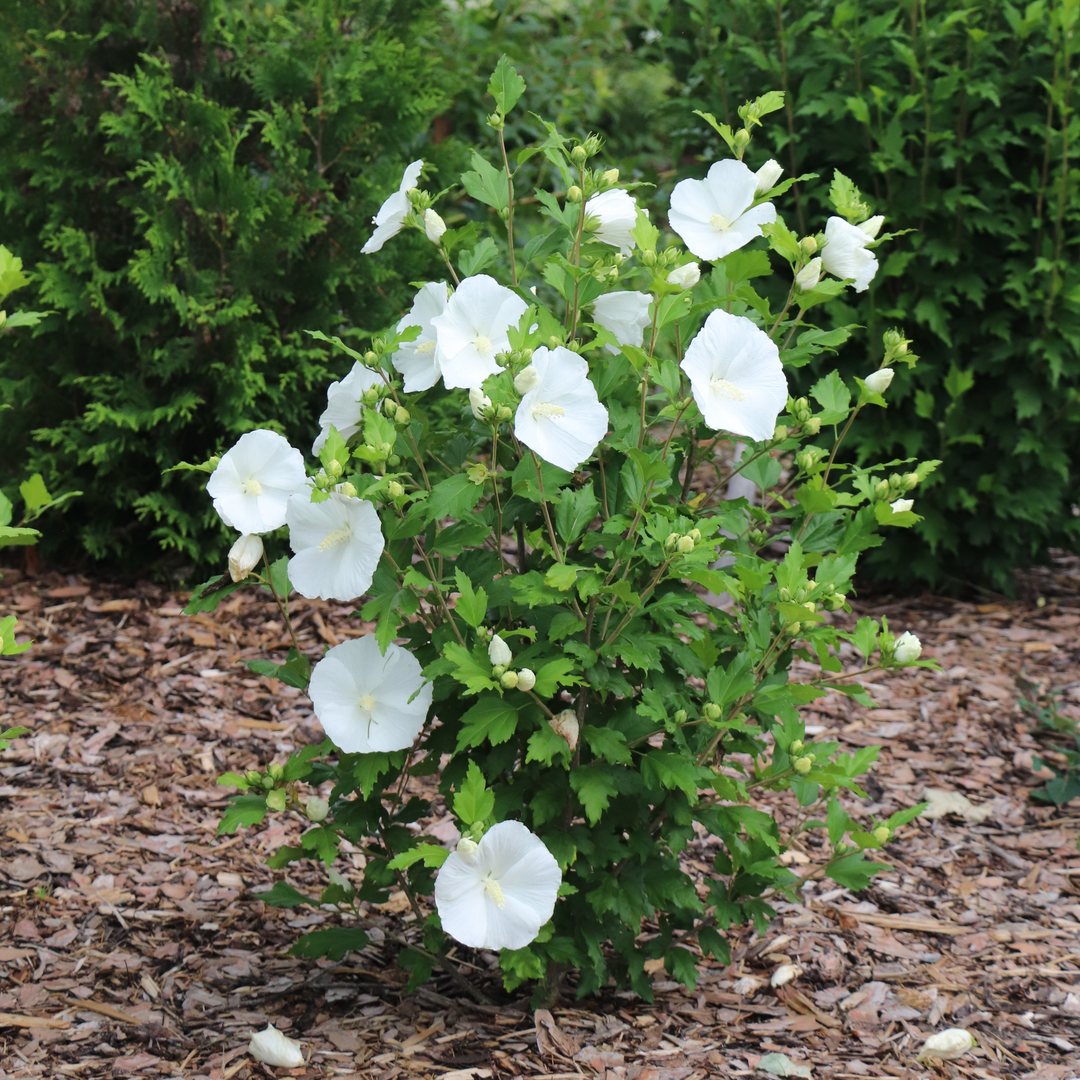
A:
x: 428, y: 347
x: 252, y: 487
x: 543, y: 408
x: 719, y: 223
x: 338, y: 536
x: 484, y: 346
x: 494, y: 890
x: 727, y: 390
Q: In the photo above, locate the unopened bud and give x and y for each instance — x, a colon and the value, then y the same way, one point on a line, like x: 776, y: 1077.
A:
x: 434, y: 225
x: 3, y: 317
x: 794, y: 628
x: 780, y: 433
x: 812, y: 426
x: 480, y: 404
x: 686, y: 277
x: 680, y: 716
x: 810, y: 606
x: 873, y: 226
x: 881, y: 489
x: 808, y: 245
x: 671, y: 541
x: 504, y: 413
x: 347, y: 489
x: 573, y: 193
x: 276, y: 799
x: 882, y: 833
x: 402, y: 415
x: 695, y: 535
x: 712, y: 711
x: 742, y: 138
x: 499, y: 652
x: 244, y: 556
x: 648, y: 258
x: 808, y: 277
x: 803, y: 765
x: 805, y: 460
x: 765, y: 178
x: 370, y: 357
x: 393, y: 461
x: 394, y: 490
x: 526, y: 679
x: 684, y: 545
x: 527, y: 379
x: 276, y: 771
x: 316, y: 809
x: 335, y: 468
x: 578, y: 155
x: 796, y: 747
x: 892, y: 340
x: 509, y: 679
x: 877, y: 382
x: 611, y: 176
x: 911, y: 480
x: 371, y: 395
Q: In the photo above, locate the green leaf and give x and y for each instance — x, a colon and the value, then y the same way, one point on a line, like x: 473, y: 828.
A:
x: 714, y: 943
x: 242, y: 810
x: 561, y: 577
x: 467, y: 669
x: 671, y: 770
x: 283, y: 895
x: 645, y: 232
x: 453, y: 497
x: 545, y: 745
x: 368, y: 769
x: 853, y: 871
x: 35, y: 494
x: 491, y: 718
x: 471, y: 605
x: 323, y: 841
x: 847, y: 199
x: 575, y: 512
x: 296, y: 671
x: 607, y: 743
x: 473, y: 802
x: 431, y: 855
x: 332, y: 943
x: 553, y: 674
x: 837, y: 821
x: 506, y: 86
x: 11, y: 273
x: 486, y: 184
x: 833, y: 396
x: 594, y: 787
x: 10, y: 537
x: 478, y: 258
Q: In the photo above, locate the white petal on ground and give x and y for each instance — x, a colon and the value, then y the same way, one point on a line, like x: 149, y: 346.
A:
x: 845, y: 256
x: 561, y: 418
x: 344, y: 404
x: 616, y: 212
x: 714, y: 216
x: 391, y: 216
x: 625, y: 314
x: 473, y: 329
x: 419, y: 360
x: 253, y: 481
x: 947, y: 1045
x: 272, y: 1048
x: 499, y: 895
x: 338, y: 543
x: 736, y: 376
x: 362, y: 698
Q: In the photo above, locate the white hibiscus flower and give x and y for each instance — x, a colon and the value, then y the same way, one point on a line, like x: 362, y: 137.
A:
x: 391, y: 216
x: 616, y: 215
x: 345, y: 404
x: 337, y: 543
x: 714, y: 216
x: 369, y: 702
x: 561, y: 418
x: 625, y: 314
x: 736, y: 376
x: 473, y: 329
x: 419, y: 360
x: 844, y: 254
x: 498, y: 893
x: 253, y: 481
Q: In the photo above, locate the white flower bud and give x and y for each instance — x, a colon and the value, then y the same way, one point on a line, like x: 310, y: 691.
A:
x: 901, y: 505
x: 244, y: 556
x: 566, y: 724
x: 316, y: 809
x: 466, y: 847
x: 480, y: 403
x: 611, y: 176
x: 434, y: 225
x: 686, y: 277
x: 947, y: 1045
x: 907, y: 648
x: 526, y: 679
x: 272, y: 1048
x: 878, y: 381
x: 873, y: 226
x: 767, y: 176
x: 808, y: 277
x: 784, y: 974
x: 499, y: 652
x: 527, y: 379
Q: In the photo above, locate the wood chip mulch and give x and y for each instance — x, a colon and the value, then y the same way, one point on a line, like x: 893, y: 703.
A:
x: 131, y: 943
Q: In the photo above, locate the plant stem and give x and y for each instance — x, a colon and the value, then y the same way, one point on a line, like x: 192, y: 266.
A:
x: 283, y: 606
x: 509, y: 208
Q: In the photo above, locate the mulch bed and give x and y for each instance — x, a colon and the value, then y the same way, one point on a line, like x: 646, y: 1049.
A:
x: 131, y: 942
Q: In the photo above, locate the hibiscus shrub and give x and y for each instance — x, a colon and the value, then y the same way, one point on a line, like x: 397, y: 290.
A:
x: 575, y: 626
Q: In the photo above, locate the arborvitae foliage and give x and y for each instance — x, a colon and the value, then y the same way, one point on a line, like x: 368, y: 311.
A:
x: 958, y: 122
x: 193, y: 182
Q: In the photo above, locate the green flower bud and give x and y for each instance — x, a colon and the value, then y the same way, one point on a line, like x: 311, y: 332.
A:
x: 554, y: 341
x: 808, y: 245
x: 811, y: 426
x: 684, y: 545
x: 348, y: 489
x: 509, y: 679
x: 277, y: 771
x: 680, y: 716
x: 882, y: 833
x: 212, y: 461
x: 402, y: 415
x: 267, y: 782
x: 712, y: 711
x: 784, y: 593
x: 579, y: 155
x: 671, y: 541
x: 394, y: 490
x: 796, y: 748
x: 390, y: 408
x: 573, y: 194
x: 794, y: 628
x: 335, y: 468
x: 810, y: 606
x: 803, y: 765
x: 393, y: 461
x: 881, y: 489
x: 742, y: 137
x: 911, y: 480
x: 648, y: 258
x: 805, y: 460
x: 592, y: 145
x: 780, y: 433
x: 253, y: 778
x: 504, y: 413
x: 316, y: 809
x: 371, y: 395
x: 695, y: 535
x: 611, y: 176
x: 276, y: 799
x: 498, y: 671
x: 757, y: 537
x: 370, y: 357
x: 801, y: 405
x: 837, y: 601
